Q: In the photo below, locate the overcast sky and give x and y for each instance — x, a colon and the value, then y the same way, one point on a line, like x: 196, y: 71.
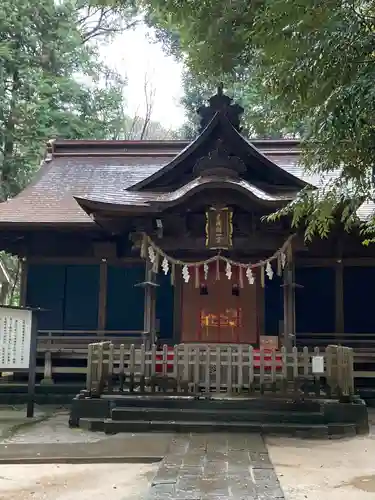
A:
x: 134, y: 55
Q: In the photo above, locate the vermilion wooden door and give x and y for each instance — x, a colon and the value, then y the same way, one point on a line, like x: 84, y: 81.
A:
x: 219, y: 312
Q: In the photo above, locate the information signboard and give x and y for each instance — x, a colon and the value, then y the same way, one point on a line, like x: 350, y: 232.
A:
x: 318, y: 365
x: 15, y: 339
x: 18, y: 345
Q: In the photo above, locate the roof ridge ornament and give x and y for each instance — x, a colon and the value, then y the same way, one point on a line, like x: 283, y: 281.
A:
x: 219, y: 162
x: 220, y: 103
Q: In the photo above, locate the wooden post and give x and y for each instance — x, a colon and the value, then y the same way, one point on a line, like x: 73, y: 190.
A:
x: 147, y: 302
x: 102, y: 309
x: 47, y: 377
x: 152, y: 314
x: 339, y: 294
x: 260, y: 297
x: 177, y: 308
x: 23, y: 281
x: 32, y: 366
x: 286, y: 326
x: 292, y: 305
x: 150, y: 285
x: 289, y: 303
x: 339, y: 300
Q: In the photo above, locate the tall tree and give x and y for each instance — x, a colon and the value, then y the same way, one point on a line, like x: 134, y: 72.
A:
x: 259, y: 119
x: 52, y: 84
x: 314, y: 60
x: 51, y: 81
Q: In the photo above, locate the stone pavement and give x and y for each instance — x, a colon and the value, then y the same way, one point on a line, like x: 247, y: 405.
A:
x: 193, y: 466
x: 216, y: 466
x: 127, y: 448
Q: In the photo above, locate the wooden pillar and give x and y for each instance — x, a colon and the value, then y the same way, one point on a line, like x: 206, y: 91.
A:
x: 102, y: 310
x: 289, y: 303
x: 149, y: 323
x: 147, y: 303
x: 23, y: 281
x: 339, y: 300
x: 260, y: 292
x: 177, y: 308
x: 153, y: 314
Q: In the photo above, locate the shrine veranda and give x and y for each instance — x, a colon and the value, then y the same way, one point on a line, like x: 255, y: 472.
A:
x: 167, y: 241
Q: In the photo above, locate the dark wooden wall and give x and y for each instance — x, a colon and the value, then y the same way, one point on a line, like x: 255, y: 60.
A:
x: 85, y: 277
x: 71, y: 296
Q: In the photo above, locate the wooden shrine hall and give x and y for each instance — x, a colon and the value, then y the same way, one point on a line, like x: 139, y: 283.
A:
x: 167, y: 241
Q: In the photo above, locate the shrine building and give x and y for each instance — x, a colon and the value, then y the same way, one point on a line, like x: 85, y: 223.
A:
x: 167, y: 241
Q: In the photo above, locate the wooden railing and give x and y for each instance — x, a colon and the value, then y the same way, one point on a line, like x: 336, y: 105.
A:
x: 66, y: 352
x: 65, y: 346
x: 355, y: 340
x: 230, y: 369
x: 363, y: 345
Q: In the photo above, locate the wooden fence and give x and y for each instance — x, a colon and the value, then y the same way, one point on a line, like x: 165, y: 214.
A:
x: 66, y: 352
x: 217, y: 369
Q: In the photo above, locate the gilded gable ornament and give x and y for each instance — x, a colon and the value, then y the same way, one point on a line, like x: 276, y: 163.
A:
x: 219, y: 228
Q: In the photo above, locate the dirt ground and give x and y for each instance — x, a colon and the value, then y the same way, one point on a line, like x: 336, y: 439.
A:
x: 322, y: 470
x: 75, y: 482
x: 307, y: 469
x: 65, y: 481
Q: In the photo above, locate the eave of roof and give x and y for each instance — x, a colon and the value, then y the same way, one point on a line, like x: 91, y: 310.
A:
x: 156, y: 201
x: 48, y: 200
x: 66, y: 147
x: 218, y: 120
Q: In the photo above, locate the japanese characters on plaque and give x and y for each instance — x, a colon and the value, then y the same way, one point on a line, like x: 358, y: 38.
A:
x: 229, y: 318
x: 15, y: 339
x: 219, y: 228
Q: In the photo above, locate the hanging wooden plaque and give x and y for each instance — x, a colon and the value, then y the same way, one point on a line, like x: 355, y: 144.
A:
x: 219, y: 228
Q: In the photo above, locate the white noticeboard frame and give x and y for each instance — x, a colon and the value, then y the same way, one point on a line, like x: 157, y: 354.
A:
x: 317, y: 363
x: 15, y: 339
x: 18, y: 346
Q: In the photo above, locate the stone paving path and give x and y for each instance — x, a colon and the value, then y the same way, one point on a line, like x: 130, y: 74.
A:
x: 216, y: 466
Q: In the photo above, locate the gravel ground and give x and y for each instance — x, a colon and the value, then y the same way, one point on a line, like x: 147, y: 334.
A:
x: 322, y: 470
x: 75, y: 482
x: 307, y: 469
x: 65, y: 481
x: 53, y: 430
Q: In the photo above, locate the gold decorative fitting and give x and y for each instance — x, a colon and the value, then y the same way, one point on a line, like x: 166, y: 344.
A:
x: 219, y: 228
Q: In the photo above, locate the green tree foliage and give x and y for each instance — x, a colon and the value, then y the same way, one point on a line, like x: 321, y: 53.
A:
x: 259, y: 119
x: 314, y: 63
x: 52, y: 83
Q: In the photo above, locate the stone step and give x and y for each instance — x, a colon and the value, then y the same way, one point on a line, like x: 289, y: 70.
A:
x: 216, y: 415
x: 54, y: 399
x: 180, y: 402
x: 288, y: 429
x: 92, y: 424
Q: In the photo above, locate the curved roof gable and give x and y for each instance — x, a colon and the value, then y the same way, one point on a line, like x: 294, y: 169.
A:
x: 222, y: 133
x: 154, y: 202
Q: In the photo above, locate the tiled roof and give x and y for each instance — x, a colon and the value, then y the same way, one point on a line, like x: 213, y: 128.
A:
x: 221, y: 134
x: 50, y: 197
x: 103, y: 170
x: 156, y: 199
